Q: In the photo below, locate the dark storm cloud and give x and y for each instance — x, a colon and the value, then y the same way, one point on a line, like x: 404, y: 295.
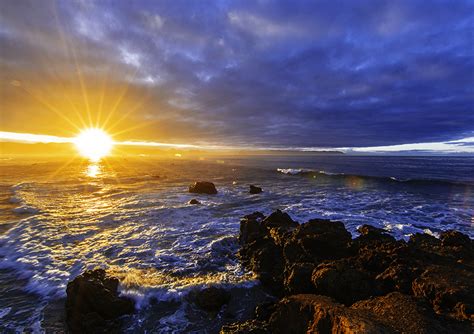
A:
x: 287, y: 73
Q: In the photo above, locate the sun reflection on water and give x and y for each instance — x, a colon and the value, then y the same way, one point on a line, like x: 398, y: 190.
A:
x: 93, y: 170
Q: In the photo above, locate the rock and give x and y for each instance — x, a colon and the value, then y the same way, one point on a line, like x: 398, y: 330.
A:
x: 279, y: 219
x: 343, y: 281
x: 450, y: 290
x: 251, y: 228
x: 93, y: 300
x: 307, y: 313
x: 202, y: 187
x: 247, y: 327
x: 404, y: 314
x: 211, y: 299
x: 264, y: 311
x: 398, y: 277
x: 298, y: 278
x: 255, y: 189
x: 317, y: 240
x: 194, y: 201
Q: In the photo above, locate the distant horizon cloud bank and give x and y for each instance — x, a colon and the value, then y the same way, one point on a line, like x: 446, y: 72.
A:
x: 464, y: 145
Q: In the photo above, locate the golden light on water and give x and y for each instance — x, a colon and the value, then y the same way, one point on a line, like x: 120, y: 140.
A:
x: 93, y: 144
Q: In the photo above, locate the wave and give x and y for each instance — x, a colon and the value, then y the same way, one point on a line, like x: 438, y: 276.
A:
x: 390, y: 179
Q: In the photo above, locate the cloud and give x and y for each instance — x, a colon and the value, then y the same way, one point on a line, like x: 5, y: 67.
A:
x: 286, y: 74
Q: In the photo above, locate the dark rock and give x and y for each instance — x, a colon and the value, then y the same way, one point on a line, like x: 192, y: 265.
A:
x: 317, y: 240
x: 202, y: 187
x: 194, y: 201
x: 211, y: 299
x: 93, y: 300
x: 279, y: 219
x: 398, y: 277
x: 308, y: 313
x: 251, y: 228
x: 255, y: 189
x: 404, y: 314
x: 264, y: 311
x: 298, y: 278
x: 247, y: 327
x: 450, y: 290
x: 344, y: 282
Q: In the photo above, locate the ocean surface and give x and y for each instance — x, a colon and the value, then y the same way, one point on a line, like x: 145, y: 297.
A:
x: 132, y: 217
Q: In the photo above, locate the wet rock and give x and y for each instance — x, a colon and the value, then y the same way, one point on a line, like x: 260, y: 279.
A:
x: 457, y: 244
x: 404, y: 314
x: 398, y: 277
x: 93, y: 301
x: 307, y: 313
x: 450, y: 290
x: 251, y: 228
x: 317, y: 240
x: 247, y: 327
x: 211, y: 299
x: 279, y: 219
x: 194, y: 201
x: 298, y: 278
x: 254, y: 189
x: 264, y: 311
x: 202, y: 187
x: 343, y: 281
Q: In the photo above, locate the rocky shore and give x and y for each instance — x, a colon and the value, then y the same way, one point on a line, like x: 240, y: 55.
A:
x: 323, y: 281
x: 331, y: 283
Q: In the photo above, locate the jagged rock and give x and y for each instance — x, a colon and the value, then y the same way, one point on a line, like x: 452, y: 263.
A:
x: 344, y: 282
x: 247, y: 327
x: 279, y: 219
x: 265, y: 310
x: 93, y: 300
x: 317, y: 240
x: 398, y: 277
x: 251, y: 228
x: 254, y: 189
x: 450, y: 290
x: 194, y: 201
x: 404, y: 314
x: 211, y: 299
x: 202, y: 187
x: 308, y: 313
x: 298, y: 278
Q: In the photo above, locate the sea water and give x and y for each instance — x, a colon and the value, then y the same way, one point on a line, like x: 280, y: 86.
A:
x: 132, y: 217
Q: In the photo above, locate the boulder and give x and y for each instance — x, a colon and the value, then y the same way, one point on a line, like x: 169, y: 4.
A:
x: 251, y: 228
x: 317, y: 240
x: 307, y: 313
x: 343, y: 281
x: 450, y: 290
x: 404, y: 314
x: 298, y: 278
x: 202, y: 187
x: 211, y: 299
x: 93, y: 301
x: 194, y: 201
x: 254, y: 189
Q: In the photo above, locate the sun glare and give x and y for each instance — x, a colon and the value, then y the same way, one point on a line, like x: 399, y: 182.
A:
x: 93, y: 144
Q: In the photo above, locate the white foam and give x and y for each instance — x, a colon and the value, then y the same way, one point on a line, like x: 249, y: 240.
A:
x: 292, y: 171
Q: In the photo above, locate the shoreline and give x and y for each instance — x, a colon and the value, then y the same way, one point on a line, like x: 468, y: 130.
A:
x: 318, y: 279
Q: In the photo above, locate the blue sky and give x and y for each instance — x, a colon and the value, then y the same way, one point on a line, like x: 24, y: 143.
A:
x: 325, y: 74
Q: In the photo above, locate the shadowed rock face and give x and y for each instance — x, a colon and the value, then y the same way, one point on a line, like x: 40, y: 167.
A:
x: 93, y: 302
x: 202, y: 187
x: 211, y: 299
x: 370, y: 284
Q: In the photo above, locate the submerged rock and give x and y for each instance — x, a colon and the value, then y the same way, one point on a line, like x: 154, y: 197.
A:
x: 93, y: 302
x: 202, y: 187
x: 194, y: 201
x: 254, y: 189
x: 211, y: 299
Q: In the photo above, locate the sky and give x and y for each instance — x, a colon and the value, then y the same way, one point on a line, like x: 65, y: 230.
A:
x: 355, y: 75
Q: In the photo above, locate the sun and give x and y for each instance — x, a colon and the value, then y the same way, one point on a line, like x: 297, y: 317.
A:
x: 93, y: 144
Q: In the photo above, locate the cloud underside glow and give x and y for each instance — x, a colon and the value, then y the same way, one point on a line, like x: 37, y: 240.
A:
x: 465, y: 145
x: 376, y: 75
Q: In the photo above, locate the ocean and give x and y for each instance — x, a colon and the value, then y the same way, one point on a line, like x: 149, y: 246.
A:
x: 132, y: 217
